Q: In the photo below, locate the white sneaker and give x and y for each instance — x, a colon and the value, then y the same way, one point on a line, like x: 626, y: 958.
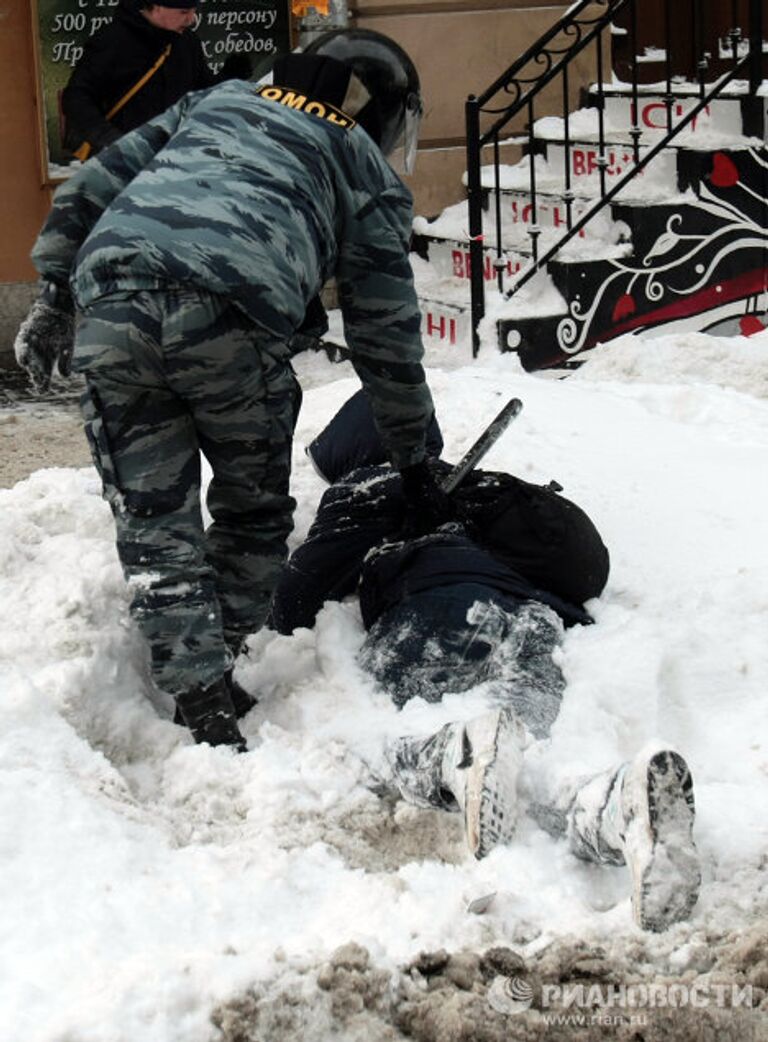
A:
x: 657, y: 808
x: 480, y: 768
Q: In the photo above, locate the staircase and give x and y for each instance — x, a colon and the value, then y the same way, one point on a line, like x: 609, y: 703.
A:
x: 642, y: 206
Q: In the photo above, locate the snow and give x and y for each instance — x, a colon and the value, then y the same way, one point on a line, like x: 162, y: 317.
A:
x: 538, y: 296
x: 146, y: 880
x: 658, y: 183
x: 584, y: 127
x: 679, y: 86
x: 607, y: 238
x: 740, y: 363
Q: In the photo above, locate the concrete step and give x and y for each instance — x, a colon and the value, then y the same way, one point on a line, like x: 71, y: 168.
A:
x: 606, y: 236
x: 445, y: 325
x: 658, y: 181
x: 719, y: 125
x: 450, y: 259
x: 736, y: 89
x: 669, y: 177
x: 446, y: 307
x: 722, y: 117
x: 733, y: 305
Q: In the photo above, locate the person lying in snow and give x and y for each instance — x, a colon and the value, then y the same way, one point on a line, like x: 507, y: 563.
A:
x: 485, y: 601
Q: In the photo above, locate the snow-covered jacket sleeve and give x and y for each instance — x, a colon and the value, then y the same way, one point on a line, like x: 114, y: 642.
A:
x: 354, y: 515
x: 80, y: 202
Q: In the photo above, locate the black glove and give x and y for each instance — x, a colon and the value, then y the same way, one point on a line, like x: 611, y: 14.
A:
x: 47, y: 336
x: 426, y: 505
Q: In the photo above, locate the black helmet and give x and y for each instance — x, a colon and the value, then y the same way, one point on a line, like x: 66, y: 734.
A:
x: 391, y: 117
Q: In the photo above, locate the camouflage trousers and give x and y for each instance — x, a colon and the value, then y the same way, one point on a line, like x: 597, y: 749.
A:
x: 171, y: 374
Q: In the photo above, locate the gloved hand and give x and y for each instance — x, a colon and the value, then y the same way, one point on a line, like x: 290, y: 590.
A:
x: 426, y: 505
x: 47, y: 336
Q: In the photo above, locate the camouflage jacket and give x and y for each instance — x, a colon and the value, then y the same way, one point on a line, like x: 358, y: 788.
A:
x: 259, y: 195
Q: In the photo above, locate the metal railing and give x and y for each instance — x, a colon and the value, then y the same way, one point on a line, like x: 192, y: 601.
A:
x: 514, y: 95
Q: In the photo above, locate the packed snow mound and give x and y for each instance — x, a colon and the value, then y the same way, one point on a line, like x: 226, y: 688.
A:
x: 495, y: 995
x: 740, y: 362
x: 149, y: 882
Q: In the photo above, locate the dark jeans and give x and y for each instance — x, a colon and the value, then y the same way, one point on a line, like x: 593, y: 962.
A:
x: 451, y: 638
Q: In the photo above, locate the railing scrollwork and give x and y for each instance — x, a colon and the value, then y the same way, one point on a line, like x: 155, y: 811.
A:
x: 491, y: 116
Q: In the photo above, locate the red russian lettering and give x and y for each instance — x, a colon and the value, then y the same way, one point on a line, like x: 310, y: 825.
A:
x: 647, y: 117
x: 433, y: 327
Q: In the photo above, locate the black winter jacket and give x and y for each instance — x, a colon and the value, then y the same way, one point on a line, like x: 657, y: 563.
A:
x: 524, y: 540
x: 396, y: 571
x: 521, y: 539
x: 116, y: 58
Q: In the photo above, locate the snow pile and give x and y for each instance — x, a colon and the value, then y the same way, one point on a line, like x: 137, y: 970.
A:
x: 740, y: 363
x: 148, y: 882
x: 583, y: 125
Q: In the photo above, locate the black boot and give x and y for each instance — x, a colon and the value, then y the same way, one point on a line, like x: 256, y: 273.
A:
x: 210, y: 715
x: 242, y: 700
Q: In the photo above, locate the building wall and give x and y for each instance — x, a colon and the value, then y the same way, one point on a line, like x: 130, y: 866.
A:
x: 460, y: 47
x: 24, y: 199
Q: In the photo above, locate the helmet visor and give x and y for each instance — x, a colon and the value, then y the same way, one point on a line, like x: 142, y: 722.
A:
x: 410, y: 142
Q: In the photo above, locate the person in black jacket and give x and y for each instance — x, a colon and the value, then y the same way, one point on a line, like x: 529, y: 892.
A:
x: 527, y: 540
x: 119, y: 54
x: 117, y: 57
x: 483, y: 602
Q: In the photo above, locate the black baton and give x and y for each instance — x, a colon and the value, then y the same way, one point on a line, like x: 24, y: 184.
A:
x: 489, y: 437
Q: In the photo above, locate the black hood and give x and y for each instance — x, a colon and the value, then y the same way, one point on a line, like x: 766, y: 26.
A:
x: 129, y: 13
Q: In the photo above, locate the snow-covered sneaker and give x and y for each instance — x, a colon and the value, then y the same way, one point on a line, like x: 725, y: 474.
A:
x: 657, y: 807
x: 480, y: 768
x: 469, y: 767
x: 642, y: 815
